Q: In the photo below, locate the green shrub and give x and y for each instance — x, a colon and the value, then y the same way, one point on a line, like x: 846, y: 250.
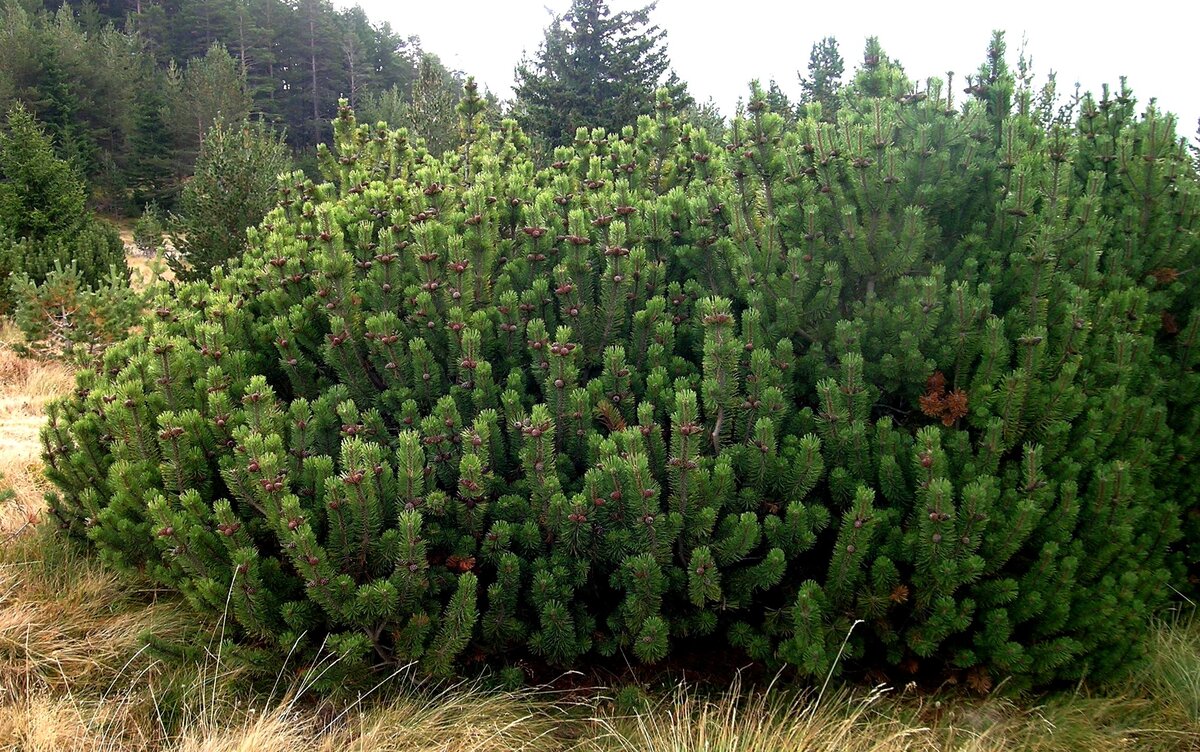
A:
x: 921, y: 382
x: 93, y: 248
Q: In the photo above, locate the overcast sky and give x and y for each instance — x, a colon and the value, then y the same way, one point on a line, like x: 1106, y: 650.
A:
x: 717, y: 47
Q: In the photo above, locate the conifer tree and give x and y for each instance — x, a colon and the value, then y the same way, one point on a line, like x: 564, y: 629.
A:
x: 65, y: 317
x: 232, y: 188
x: 430, y: 112
x: 210, y: 87
x: 825, y: 68
x: 153, y: 163
x: 594, y: 68
x: 96, y: 75
x: 40, y: 194
x: 44, y: 221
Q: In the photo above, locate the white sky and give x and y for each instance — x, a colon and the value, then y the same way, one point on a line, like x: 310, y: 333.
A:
x: 717, y: 47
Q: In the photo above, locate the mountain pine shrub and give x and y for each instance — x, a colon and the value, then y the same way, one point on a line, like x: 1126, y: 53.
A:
x: 64, y: 317
x: 921, y: 381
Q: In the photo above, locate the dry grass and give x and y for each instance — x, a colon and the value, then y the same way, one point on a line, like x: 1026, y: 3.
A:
x: 66, y: 623
x: 740, y: 721
x: 457, y: 720
x: 469, y: 719
x: 463, y: 719
x: 59, y: 723
x: 146, y: 270
x: 856, y: 721
x: 1173, y: 673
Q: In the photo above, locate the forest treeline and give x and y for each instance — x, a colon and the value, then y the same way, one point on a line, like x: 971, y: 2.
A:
x: 127, y: 88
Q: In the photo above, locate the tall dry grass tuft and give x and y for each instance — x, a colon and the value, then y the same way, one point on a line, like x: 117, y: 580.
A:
x: 876, y: 721
x: 62, y: 723
x: 465, y: 718
x: 1064, y: 723
x: 272, y: 732
x: 1173, y: 672
x: 462, y: 718
x: 758, y: 721
x: 68, y: 625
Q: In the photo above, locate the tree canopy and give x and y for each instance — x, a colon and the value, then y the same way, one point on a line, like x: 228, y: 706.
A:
x: 127, y: 88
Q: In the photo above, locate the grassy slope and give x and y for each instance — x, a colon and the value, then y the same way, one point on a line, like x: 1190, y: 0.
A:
x: 74, y: 676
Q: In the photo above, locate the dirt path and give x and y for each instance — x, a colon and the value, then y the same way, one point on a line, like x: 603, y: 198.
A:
x: 142, y: 266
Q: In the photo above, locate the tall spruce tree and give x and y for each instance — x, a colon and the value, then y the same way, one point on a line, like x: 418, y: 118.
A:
x: 153, y: 164
x: 430, y: 112
x: 79, y: 83
x: 41, y: 195
x: 210, y: 87
x: 594, y: 68
x: 779, y: 102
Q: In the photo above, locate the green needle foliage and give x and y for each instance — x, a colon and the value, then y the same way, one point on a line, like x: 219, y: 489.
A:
x: 923, y: 377
x: 40, y: 194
